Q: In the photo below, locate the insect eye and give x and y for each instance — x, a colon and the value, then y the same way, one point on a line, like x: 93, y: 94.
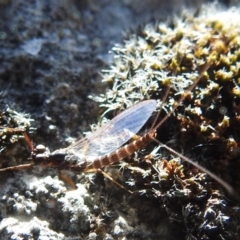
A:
x: 40, y: 148
x: 40, y: 156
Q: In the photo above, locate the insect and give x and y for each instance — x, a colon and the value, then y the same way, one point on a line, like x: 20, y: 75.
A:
x: 103, y: 147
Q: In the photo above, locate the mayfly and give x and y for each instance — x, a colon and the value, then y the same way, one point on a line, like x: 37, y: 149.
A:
x: 103, y: 147
x: 97, y: 150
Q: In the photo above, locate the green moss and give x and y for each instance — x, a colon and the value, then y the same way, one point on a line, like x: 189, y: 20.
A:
x: 205, y: 127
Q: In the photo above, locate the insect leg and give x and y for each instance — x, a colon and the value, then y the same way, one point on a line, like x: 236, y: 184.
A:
x: 109, y: 177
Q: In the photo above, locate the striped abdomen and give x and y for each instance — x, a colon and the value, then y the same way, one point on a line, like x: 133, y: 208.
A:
x: 120, y: 153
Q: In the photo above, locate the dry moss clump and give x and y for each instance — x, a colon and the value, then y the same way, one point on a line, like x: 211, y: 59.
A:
x: 12, y: 124
x: 205, y: 127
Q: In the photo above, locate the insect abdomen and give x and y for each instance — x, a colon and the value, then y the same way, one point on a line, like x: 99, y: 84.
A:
x: 120, y: 153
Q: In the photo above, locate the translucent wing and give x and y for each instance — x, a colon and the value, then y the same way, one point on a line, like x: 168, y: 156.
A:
x: 115, y: 133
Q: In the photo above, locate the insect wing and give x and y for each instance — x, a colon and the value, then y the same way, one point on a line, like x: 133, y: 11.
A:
x: 115, y: 133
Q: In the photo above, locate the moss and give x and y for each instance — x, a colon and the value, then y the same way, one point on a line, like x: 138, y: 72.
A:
x: 12, y: 124
x: 205, y: 127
